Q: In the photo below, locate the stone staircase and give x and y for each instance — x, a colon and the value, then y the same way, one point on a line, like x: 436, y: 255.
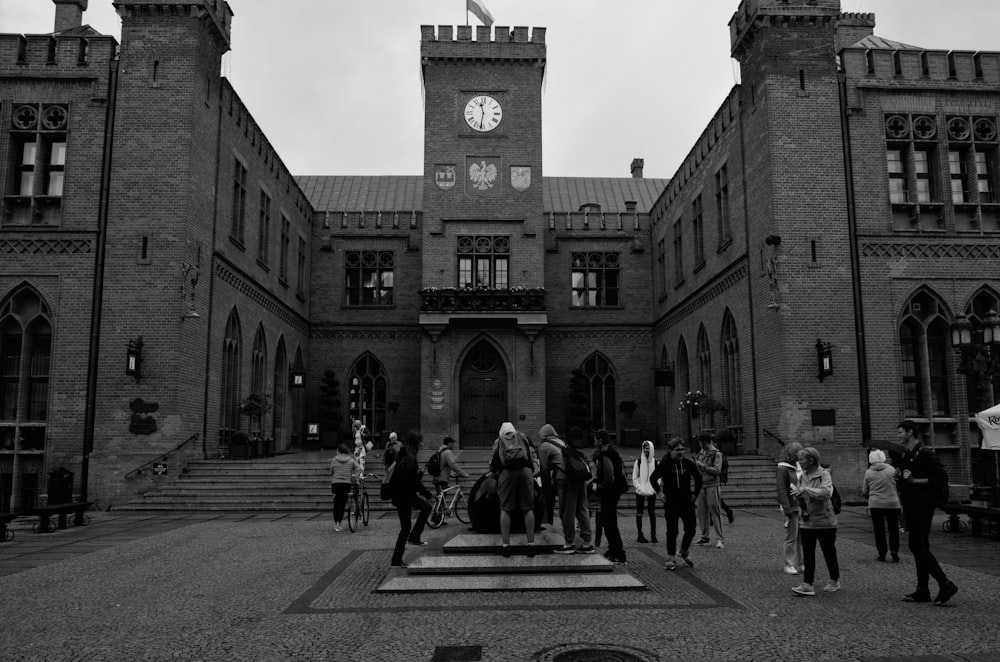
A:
x: 299, y: 481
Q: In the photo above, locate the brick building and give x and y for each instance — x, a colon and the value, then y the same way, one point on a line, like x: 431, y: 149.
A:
x: 840, y: 206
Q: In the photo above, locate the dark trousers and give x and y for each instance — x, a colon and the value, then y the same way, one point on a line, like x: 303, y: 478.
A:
x: 404, y: 507
x: 918, y: 523
x: 882, y: 517
x: 683, y: 512
x: 340, y: 492
x: 549, y: 493
x: 827, y: 539
x: 609, y: 518
x: 646, y: 503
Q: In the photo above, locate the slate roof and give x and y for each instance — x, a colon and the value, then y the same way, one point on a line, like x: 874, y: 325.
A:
x: 406, y: 193
x: 881, y: 43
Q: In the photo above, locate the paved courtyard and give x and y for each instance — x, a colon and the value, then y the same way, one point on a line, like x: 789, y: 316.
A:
x: 285, y: 586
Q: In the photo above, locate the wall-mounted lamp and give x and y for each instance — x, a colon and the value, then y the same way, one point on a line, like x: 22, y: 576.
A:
x: 133, y: 359
x: 772, y: 240
x: 824, y: 358
x: 664, y: 375
x: 297, y: 378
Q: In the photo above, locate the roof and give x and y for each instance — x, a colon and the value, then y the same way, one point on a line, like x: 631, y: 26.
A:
x: 881, y: 43
x: 405, y: 192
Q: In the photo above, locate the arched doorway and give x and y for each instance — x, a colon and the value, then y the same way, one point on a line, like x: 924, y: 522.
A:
x: 482, y: 396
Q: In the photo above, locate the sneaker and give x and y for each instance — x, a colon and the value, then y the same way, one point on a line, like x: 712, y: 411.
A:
x: 729, y: 516
x: 947, y: 591
x: 791, y: 570
x: 653, y: 540
x: 587, y: 549
x: 920, y: 595
x: 336, y: 527
x: 880, y: 559
x: 397, y: 565
x: 617, y: 560
x: 784, y: 524
x: 567, y: 549
x: 418, y: 543
x: 687, y: 559
x: 832, y: 586
x: 531, y: 550
x: 505, y: 551
x: 803, y: 589
x: 719, y: 545
x: 670, y: 565
x: 641, y: 539
x: 895, y: 557
x: 703, y: 541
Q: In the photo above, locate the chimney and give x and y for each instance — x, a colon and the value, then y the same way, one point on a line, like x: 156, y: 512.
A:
x: 637, y: 168
x: 69, y: 14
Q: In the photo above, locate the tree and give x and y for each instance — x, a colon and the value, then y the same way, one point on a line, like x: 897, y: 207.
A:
x: 329, y: 415
x: 579, y: 402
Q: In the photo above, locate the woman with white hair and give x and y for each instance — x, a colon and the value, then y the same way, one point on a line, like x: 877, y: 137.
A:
x: 883, y: 503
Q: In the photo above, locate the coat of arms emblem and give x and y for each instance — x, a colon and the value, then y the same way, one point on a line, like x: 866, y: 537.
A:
x: 520, y: 177
x: 444, y: 176
x: 483, y: 175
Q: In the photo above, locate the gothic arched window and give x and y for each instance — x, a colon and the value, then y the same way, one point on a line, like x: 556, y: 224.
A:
x: 601, y: 377
x: 924, y: 346
x: 25, y: 352
x: 731, y: 386
x: 367, y: 396
x: 280, y: 395
x: 229, y: 401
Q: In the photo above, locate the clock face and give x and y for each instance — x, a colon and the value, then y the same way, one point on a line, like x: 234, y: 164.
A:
x: 483, y: 113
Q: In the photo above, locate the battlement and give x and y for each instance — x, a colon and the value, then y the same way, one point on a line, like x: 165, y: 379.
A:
x: 46, y: 55
x: 752, y: 14
x: 215, y: 12
x: 867, y: 65
x: 501, y: 42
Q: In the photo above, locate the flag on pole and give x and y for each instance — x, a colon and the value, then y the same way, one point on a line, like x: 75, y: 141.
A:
x: 479, y: 9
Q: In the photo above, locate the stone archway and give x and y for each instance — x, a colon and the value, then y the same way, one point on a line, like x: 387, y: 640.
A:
x: 482, y: 396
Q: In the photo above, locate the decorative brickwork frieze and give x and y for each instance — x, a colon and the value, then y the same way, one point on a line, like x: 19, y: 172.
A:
x: 44, y: 246
x: 932, y: 250
x: 367, y: 335
x: 599, y: 334
x: 261, y: 298
x: 717, y: 290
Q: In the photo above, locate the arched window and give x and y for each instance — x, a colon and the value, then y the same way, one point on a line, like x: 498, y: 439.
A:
x: 683, y: 381
x: 731, y: 386
x: 229, y: 402
x: 258, y: 373
x: 924, y: 344
x: 25, y: 352
x: 980, y: 393
x: 367, y: 396
x: 705, y: 368
x: 601, y: 377
x: 280, y: 396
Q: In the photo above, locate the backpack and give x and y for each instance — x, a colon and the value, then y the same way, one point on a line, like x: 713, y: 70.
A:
x: 387, y: 489
x: 724, y: 474
x: 575, y: 465
x: 835, y: 501
x: 513, y: 453
x: 434, y: 464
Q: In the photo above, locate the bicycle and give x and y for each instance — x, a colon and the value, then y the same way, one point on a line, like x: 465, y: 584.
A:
x: 449, y: 501
x: 358, y: 507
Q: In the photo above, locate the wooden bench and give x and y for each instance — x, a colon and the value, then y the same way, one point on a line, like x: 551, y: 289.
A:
x: 977, y: 514
x: 5, y: 533
x: 45, y: 513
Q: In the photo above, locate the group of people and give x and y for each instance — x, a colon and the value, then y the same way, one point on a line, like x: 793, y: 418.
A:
x: 805, y: 489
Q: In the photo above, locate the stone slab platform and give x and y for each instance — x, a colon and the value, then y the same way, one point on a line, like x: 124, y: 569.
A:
x: 565, y: 582
x: 478, y: 564
x: 489, y: 543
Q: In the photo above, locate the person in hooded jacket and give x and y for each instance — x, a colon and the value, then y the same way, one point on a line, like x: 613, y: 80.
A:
x: 788, y: 474
x: 343, y: 469
x: 645, y: 492
x: 680, y: 480
x: 550, y: 461
x: 408, y: 494
x: 883, y: 503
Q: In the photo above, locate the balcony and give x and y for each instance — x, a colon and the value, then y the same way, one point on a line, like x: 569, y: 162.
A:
x: 481, y: 300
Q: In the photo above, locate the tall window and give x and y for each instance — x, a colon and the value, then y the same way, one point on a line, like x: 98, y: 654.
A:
x: 238, y: 229
x: 678, y: 254
x: 731, y: 383
x: 595, y: 279
x: 264, y: 228
x: 897, y: 177
x: 601, y: 376
x: 25, y: 352
x: 38, y: 141
x: 698, y: 227
x: 683, y: 381
x: 300, y: 276
x: 280, y: 396
x: 367, y: 397
x: 980, y: 395
x: 959, y: 177
x: 911, y: 158
x: 285, y: 242
x: 924, y: 344
x: 258, y: 373
x: 369, y: 278
x: 661, y: 266
x: 722, y: 205
x: 229, y: 400
x: 484, y: 261
x: 705, y: 366
x: 972, y: 155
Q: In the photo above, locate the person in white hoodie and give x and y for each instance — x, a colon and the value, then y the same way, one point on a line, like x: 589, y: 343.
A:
x: 343, y: 469
x: 883, y: 503
x: 645, y: 493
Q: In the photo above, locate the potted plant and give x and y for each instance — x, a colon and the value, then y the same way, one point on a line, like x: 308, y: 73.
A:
x: 329, y: 415
x: 255, y: 407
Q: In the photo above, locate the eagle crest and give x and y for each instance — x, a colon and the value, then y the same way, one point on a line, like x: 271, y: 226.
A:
x: 482, y: 175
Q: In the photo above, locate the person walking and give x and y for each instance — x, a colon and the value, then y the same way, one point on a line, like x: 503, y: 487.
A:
x: 923, y: 487
x: 408, y: 494
x: 788, y: 476
x: 680, y: 480
x: 818, y: 522
x: 645, y: 492
x: 883, y: 503
x: 448, y: 465
x: 343, y: 469
x: 709, y: 462
x: 513, y: 463
x: 611, y: 483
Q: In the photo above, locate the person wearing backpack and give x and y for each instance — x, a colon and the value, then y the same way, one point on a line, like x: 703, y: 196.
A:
x: 569, y: 473
x: 409, y: 493
x: 513, y: 464
x: 446, y: 465
x: 611, y: 484
x: 645, y: 493
x: 709, y: 462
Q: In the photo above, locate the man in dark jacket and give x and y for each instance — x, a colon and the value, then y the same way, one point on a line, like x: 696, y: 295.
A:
x: 923, y: 484
x: 406, y: 484
x: 680, y: 480
x: 609, y: 466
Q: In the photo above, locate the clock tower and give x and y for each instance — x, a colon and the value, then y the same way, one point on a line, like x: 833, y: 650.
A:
x: 483, y: 304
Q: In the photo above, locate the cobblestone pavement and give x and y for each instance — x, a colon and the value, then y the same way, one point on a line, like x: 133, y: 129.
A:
x: 285, y: 586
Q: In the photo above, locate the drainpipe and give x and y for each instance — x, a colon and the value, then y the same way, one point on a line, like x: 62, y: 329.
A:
x: 852, y: 226
x: 97, y: 296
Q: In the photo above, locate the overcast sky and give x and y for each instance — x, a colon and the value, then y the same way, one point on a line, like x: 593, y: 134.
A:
x: 335, y: 84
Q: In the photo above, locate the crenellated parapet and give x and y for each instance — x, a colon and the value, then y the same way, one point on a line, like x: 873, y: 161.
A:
x: 215, y: 14
x: 52, y: 56
x: 501, y: 42
x: 752, y: 15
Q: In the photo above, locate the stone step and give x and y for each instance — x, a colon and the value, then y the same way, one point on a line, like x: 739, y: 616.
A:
x: 477, y: 564
x: 490, y: 543
x: 616, y: 581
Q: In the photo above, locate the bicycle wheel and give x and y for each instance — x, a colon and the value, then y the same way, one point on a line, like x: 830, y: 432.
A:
x: 365, y: 508
x: 353, y: 513
x: 461, y: 509
x: 436, y: 518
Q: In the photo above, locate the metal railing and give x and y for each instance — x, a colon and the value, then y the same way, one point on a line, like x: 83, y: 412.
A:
x: 162, y: 456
